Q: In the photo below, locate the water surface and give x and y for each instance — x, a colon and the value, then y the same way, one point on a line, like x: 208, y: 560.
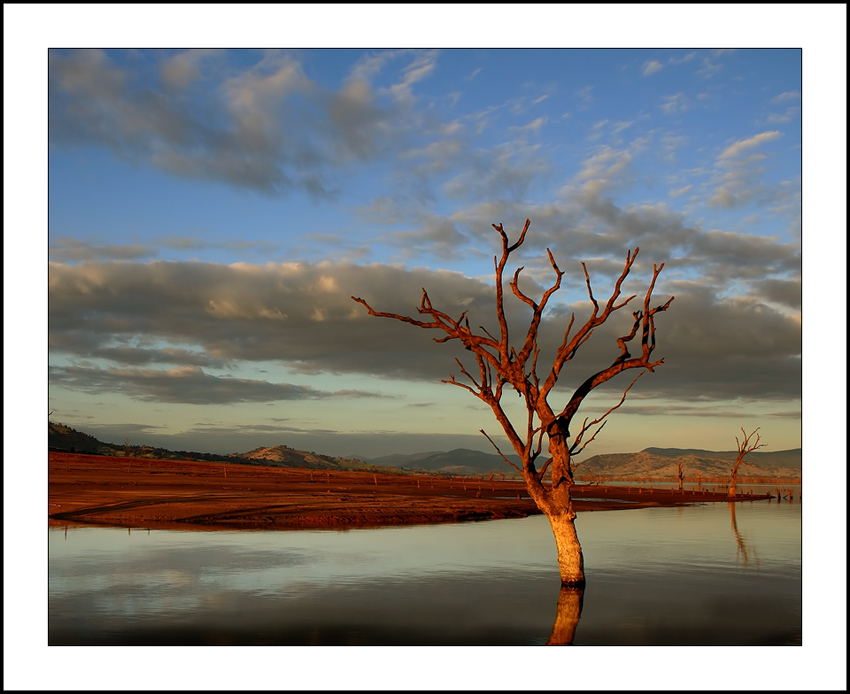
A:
x: 714, y: 574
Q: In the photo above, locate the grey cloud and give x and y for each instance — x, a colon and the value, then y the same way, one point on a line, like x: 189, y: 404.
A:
x: 137, y: 356
x: 118, y: 433
x: 187, y: 384
x: 437, y: 235
x: 684, y: 410
x: 239, y: 133
x: 781, y: 291
x: 73, y: 251
x: 179, y: 70
x: 302, y: 315
x: 596, y: 229
x: 359, y: 121
x: 66, y: 250
x: 741, y: 249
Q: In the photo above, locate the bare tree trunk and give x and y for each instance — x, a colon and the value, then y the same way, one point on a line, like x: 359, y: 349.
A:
x: 744, y: 448
x: 503, y: 366
x: 570, y: 557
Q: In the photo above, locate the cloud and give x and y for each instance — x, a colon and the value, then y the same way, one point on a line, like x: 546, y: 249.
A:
x: 180, y: 70
x: 185, y: 385
x: 740, y: 174
x: 240, y: 130
x: 290, y: 313
x: 786, y: 96
x: 785, y: 292
x: 675, y: 103
x: 136, y: 355
x: 742, y: 146
x: 69, y: 250
x: 650, y: 67
x: 300, y: 315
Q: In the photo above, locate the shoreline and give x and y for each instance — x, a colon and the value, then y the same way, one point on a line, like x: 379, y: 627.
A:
x: 91, y: 490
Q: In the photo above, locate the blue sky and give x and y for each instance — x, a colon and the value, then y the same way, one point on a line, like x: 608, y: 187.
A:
x: 211, y: 211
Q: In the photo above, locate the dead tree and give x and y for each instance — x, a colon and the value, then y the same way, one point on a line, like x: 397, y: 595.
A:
x: 502, y: 364
x: 680, y: 473
x: 744, y: 447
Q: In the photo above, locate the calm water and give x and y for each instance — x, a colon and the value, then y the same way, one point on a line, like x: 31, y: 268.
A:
x: 717, y: 574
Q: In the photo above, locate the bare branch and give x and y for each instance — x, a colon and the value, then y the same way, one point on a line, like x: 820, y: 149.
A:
x: 643, y: 319
x: 744, y: 447
x: 502, y: 364
x: 574, y: 450
x: 570, y: 347
x: 513, y: 465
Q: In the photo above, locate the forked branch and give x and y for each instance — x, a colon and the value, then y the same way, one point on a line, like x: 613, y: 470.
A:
x: 499, y: 363
x: 745, y: 447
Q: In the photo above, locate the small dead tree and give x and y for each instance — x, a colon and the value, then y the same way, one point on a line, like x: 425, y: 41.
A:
x: 744, y: 447
x: 500, y: 364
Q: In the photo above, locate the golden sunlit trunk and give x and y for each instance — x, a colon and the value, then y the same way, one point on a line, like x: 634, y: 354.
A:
x: 570, y: 557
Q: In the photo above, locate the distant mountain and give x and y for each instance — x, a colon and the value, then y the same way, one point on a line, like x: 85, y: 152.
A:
x: 460, y: 461
x: 648, y: 463
x: 284, y: 456
x: 663, y: 462
x: 65, y: 439
x: 60, y: 437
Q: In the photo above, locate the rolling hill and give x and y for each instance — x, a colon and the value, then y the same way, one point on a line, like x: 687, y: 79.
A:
x: 648, y: 463
x: 663, y: 462
x: 460, y: 461
x: 64, y: 438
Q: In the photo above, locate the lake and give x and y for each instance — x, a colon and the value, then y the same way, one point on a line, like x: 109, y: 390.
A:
x: 712, y: 574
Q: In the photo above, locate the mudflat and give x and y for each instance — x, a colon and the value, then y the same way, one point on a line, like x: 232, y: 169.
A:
x: 194, y: 495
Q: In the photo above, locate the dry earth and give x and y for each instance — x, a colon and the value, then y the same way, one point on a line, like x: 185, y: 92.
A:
x: 169, y: 494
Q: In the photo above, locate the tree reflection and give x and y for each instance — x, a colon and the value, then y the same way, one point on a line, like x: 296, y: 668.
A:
x: 569, y: 610
x: 743, y: 549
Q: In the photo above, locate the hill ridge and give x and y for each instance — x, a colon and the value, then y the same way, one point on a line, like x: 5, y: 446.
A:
x: 650, y: 462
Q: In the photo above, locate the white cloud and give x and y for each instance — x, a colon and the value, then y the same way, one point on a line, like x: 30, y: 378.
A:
x: 650, y: 67
x: 674, y: 103
x: 741, y: 146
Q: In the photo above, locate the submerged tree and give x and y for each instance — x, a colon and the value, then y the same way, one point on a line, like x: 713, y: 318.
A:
x: 502, y: 364
x: 744, y: 447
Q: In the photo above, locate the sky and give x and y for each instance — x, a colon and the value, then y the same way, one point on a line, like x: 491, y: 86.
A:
x: 192, y: 223
x: 211, y: 212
